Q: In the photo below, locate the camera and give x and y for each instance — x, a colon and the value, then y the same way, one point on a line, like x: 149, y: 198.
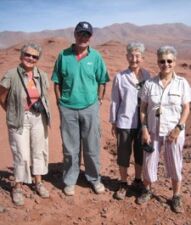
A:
x: 38, y: 107
x: 158, y: 112
x: 140, y: 85
x: 148, y: 148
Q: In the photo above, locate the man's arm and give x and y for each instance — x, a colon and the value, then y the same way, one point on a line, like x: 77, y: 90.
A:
x: 57, y: 92
x: 101, y: 92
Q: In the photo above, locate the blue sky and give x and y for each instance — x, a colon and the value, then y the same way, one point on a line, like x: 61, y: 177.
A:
x: 37, y: 15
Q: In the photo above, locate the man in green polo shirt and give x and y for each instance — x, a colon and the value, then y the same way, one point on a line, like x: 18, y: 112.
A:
x: 79, y: 77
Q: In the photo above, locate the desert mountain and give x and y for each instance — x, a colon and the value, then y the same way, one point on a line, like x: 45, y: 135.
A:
x: 153, y: 36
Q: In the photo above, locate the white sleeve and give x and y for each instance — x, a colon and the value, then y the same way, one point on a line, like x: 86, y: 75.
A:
x: 115, y: 100
x: 186, y: 92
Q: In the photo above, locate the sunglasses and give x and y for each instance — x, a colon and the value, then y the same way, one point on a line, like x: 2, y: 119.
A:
x: 162, y: 61
x: 28, y: 55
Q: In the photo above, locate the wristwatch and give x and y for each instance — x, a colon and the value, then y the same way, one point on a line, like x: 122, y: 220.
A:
x: 180, y: 126
x: 143, y: 126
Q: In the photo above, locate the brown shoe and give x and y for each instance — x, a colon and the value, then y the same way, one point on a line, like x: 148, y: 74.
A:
x: 17, y: 196
x: 177, y: 204
x: 2, y: 209
x: 145, y: 197
x: 122, y: 191
x: 42, y: 191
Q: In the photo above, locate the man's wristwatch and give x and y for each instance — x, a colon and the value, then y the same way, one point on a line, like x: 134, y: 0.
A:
x: 180, y: 126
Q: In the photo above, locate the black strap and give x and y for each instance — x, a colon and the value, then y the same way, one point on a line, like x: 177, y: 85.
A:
x: 23, y: 83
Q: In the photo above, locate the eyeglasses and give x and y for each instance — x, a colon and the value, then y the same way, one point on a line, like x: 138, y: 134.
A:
x: 84, y: 34
x: 163, y: 61
x: 28, y: 55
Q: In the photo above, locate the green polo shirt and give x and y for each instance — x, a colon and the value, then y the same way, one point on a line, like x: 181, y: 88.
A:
x: 79, y: 80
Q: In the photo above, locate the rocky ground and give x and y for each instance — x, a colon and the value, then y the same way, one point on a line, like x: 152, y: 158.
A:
x: 87, y: 208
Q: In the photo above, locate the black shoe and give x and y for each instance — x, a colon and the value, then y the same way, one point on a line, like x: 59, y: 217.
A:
x: 137, y: 185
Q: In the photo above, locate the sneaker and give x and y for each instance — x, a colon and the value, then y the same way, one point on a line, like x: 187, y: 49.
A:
x: 145, y: 197
x: 42, y: 191
x: 177, y: 204
x: 17, y: 196
x: 99, y: 188
x: 122, y: 191
x: 137, y: 185
x: 69, y: 190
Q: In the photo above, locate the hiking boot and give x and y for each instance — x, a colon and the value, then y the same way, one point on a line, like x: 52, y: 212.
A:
x: 2, y: 209
x: 17, y: 196
x: 122, y: 191
x: 137, y: 185
x: 177, y: 204
x: 42, y: 191
x: 145, y: 197
x: 69, y: 190
x: 99, y: 188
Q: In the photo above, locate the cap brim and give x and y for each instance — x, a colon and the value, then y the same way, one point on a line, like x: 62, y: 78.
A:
x: 83, y: 30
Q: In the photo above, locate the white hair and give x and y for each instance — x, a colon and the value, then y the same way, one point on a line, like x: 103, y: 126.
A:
x: 33, y: 46
x: 135, y: 46
x: 167, y: 49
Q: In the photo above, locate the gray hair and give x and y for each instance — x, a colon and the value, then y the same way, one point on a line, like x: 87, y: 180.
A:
x: 135, y: 46
x: 167, y: 49
x: 33, y: 46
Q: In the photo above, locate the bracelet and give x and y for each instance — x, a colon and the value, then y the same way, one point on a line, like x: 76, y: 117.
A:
x: 143, y: 126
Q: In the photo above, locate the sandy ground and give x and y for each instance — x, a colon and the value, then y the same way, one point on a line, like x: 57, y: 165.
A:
x: 86, y: 207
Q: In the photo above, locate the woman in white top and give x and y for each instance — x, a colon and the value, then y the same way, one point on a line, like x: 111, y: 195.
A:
x: 164, y: 111
x: 124, y: 115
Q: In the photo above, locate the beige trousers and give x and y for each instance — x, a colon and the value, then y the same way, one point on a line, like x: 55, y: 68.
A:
x: 30, y: 149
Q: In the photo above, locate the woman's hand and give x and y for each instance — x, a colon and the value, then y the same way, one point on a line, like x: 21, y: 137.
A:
x: 173, y: 135
x: 146, y: 138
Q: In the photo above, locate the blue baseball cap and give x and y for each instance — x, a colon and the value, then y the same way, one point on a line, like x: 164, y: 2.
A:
x: 84, y: 27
